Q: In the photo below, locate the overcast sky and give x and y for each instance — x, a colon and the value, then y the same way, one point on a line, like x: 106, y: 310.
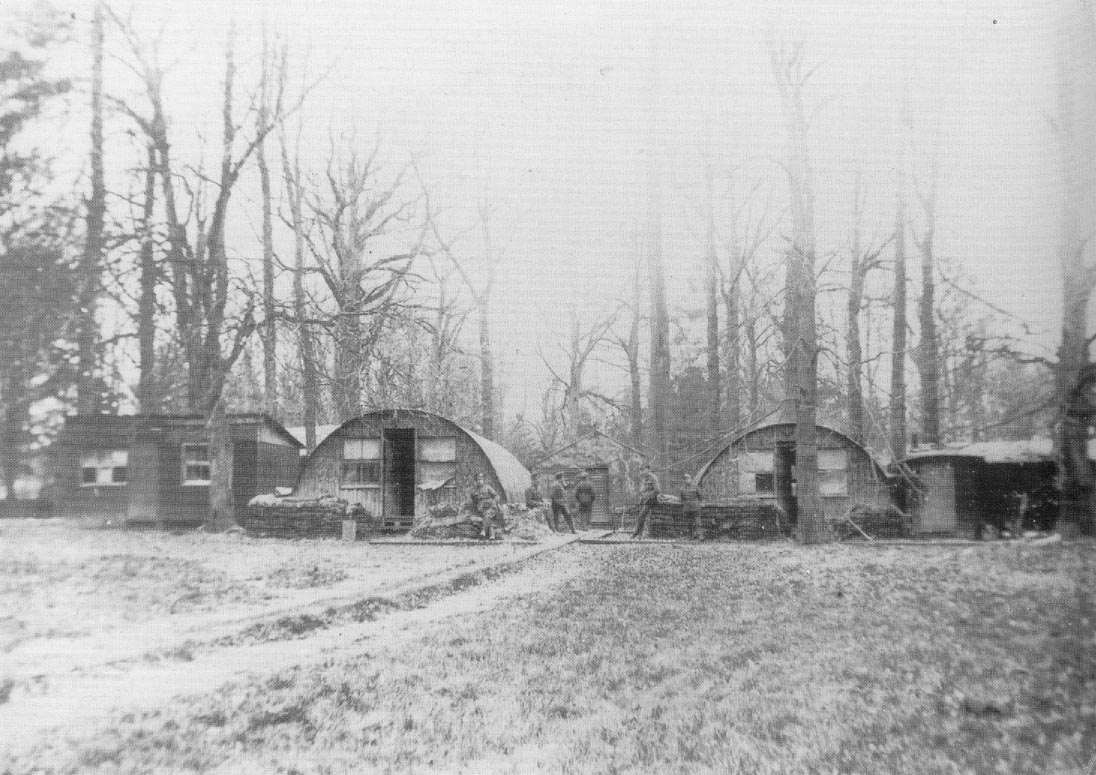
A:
x: 548, y: 107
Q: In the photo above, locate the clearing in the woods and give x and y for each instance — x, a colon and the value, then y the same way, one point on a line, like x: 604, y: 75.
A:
x: 760, y: 658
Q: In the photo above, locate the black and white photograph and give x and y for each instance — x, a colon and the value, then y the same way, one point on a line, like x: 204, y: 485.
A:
x: 592, y: 387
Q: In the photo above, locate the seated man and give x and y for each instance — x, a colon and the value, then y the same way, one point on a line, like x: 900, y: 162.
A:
x: 485, y: 503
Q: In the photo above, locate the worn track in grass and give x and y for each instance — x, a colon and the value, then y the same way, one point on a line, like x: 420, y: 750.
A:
x: 270, y: 642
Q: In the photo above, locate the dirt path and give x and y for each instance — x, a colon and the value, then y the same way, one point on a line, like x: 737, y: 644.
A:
x: 77, y: 703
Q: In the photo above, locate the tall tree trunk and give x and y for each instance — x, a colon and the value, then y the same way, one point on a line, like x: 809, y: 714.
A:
x: 305, y: 343
x: 753, y: 367
x: 801, y: 375
x: 711, y: 293
x: 1076, y: 374
x: 91, y: 263
x: 898, y: 338
x: 929, y: 350
x: 270, y: 328
x: 634, y: 380
x: 146, y: 306
x: 347, y: 385
x: 733, y: 341
x: 659, y: 393
x: 487, y: 368
x: 222, y: 505
x: 854, y: 394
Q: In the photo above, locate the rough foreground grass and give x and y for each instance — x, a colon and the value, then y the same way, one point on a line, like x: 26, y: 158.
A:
x: 661, y: 659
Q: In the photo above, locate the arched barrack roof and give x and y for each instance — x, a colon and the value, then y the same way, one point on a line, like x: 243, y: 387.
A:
x: 779, y: 421
x: 512, y: 475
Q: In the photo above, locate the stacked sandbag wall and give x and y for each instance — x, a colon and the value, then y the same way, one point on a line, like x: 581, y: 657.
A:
x: 268, y: 515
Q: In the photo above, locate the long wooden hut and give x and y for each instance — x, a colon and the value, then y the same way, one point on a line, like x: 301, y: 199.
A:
x: 155, y: 469
x: 396, y: 463
x: 760, y: 463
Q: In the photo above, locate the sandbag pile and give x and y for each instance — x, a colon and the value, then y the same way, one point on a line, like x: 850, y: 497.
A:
x: 876, y: 521
x: 743, y: 519
x: 269, y: 515
x: 449, y: 522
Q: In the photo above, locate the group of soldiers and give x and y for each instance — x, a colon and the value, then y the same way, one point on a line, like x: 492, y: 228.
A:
x: 485, y: 503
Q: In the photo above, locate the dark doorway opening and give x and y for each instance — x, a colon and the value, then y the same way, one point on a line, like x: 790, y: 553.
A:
x: 399, y: 475
x: 784, y: 475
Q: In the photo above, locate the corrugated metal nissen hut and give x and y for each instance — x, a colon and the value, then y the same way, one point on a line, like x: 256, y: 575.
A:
x: 999, y: 484
x: 155, y: 469
x: 612, y: 465
x: 397, y: 463
x: 760, y: 463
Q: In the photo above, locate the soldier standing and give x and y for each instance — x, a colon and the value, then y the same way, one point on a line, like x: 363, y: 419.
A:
x: 585, y: 497
x: 534, y: 498
x: 690, y: 505
x: 558, y: 495
x: 648, y: 498
x: 485, y: 503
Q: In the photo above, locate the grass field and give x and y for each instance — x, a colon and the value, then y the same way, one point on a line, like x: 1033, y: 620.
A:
x: 73, y: 595
x: 681, y: 658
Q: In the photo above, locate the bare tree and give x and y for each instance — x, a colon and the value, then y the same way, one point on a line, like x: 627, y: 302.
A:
x: 212, y: 332
x: 898, y: 338
x: 146, y: 304
x: 310, y: 384
x: 269, y: 329
x: 862, y: 259
x: 711, y: 301
x: 801, y: 371
x: 363, y: 235
x: 1075, y: 372
x: 91, y: 264
x: 928, y: 353
x: 583, y: 340
x: 483, y: 296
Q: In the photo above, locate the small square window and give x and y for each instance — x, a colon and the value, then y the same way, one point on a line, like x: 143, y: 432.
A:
x: 361, y: 473
x: 763, y: 483
x: 196, y: 466
x: 87, y: 475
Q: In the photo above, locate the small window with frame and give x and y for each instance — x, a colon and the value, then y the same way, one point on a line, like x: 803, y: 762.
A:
x: 197, y: 469
x: 764, y: 483
x: 361, y: 463
x: 104, y: 468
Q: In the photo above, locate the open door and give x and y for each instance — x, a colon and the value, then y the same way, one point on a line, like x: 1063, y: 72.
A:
x: 399, y: 476
x: 784, y: 480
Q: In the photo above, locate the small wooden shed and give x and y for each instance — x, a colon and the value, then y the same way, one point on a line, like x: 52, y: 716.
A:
x: 760, y: 463
x: 1000, y: 484
x: 155, y: 469
x: 397, y: 463
x: 612, y: 465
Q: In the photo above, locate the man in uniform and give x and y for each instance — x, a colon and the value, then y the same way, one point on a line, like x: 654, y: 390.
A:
x: 690, y: 505
x: 535, y: 501
x: 584, y: 497
x: 534, y: 498
x: 558, y: 495
x: 485, y: 503
x: 648, y: 498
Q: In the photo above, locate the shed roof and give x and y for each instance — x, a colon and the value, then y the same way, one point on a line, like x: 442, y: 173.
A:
x: 123, y: 423
x: 593, y: 448
x: 1000, y: 451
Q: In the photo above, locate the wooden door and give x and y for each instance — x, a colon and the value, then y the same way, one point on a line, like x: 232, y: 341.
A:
x: 936, y: 499
x: 599, y: 478
x: 399, y: 475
